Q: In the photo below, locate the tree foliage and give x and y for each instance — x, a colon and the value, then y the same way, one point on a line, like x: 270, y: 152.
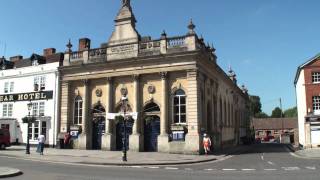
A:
x: 261, y: 115
x: 291, y: 112
x: 255, y: 105
x: 277, y: 113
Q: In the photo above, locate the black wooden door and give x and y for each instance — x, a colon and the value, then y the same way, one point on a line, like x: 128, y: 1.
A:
x: 151, y: 132
x: 98, y: 131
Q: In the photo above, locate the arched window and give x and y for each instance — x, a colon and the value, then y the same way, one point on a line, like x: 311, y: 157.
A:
x: 77, y: 119
x: 179, y: 105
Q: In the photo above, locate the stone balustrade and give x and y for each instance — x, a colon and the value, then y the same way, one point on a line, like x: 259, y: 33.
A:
x: 140, y: 49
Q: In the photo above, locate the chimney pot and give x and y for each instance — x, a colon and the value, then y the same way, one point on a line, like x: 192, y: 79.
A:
x: 84, y: 44
x: 49, y: 51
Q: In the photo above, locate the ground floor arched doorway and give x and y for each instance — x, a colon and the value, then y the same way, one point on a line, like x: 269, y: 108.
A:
x: 120, y: 135
x: 98, y: 125
x: 98, y: 130
x: 151, y: 133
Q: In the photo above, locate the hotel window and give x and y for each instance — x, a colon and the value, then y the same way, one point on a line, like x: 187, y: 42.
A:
x: 316, y: 77
x: 7, y: 110
x: 37, y: 128
x: 316, y: 103
x: 8, y: 87
x: 179, y: 105
x: 39, y: 83
x: 77, y: 120
x: 38, y: 108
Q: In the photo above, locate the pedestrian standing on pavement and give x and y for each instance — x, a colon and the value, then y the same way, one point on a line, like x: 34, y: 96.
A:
x: 206, y: 143
x: 41, y: 141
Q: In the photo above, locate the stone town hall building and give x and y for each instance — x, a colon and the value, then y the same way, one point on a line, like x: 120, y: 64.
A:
x: 174, y: 83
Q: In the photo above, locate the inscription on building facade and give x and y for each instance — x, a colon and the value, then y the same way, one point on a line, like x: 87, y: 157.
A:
x: 122, y: 49
x: 43, y: 95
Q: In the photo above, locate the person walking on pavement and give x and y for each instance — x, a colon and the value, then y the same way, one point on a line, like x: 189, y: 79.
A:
x: 206, y: 143
x: 41, y: 141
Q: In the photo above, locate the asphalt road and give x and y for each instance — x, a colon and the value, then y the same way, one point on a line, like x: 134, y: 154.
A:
x: 263, y: 161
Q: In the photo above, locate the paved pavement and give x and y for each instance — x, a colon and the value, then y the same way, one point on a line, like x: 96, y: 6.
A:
x: 313, y: 153
x: 71, y: 156
x: 9, y: 172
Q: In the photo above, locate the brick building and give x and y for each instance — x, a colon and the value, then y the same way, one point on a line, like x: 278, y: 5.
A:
x: 174, y: 87
x: 275, y: 127
x: 307, y: 84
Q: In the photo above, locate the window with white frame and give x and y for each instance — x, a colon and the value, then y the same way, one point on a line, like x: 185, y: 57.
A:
x: 77, y: 118
x: 11, y: 87
x: 316, y: 77
x: 39, y: 83
x: 316, y: 103
x: 37, y: 128
x: 179, y: 105
x: 38, y: 108
x: 7, y: 110
x: 8, y: 87
x: 35, y: 63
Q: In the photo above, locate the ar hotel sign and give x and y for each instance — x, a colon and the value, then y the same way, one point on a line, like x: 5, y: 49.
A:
x: 43, y: 95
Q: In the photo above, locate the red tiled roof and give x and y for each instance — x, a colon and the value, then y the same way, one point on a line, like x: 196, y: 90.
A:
x: 274, y: 123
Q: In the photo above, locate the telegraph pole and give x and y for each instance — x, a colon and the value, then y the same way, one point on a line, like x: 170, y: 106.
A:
x: 282, y: 125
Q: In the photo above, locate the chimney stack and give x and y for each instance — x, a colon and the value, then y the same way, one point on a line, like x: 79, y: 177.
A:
x: 84, y: 44
x: 49, y: 51
x: 16, y: 58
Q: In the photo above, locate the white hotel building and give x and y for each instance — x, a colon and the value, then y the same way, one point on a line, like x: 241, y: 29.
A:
x: 34, y: 80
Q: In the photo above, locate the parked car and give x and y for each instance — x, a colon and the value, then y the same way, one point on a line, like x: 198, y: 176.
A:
x: 4, y: 138
x: 269, y: 138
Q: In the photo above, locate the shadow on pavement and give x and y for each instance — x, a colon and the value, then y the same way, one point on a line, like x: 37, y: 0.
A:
x: 255, y: 149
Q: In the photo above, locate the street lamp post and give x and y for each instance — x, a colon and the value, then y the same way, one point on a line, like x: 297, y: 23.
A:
x: 124, y: 107
x: 28, y: 131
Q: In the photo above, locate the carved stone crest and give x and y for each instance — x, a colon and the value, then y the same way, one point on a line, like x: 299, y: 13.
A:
x: 99, y: 92
x: 124, y: 91
x: 151, y: 89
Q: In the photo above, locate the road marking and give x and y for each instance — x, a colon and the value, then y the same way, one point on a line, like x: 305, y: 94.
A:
x: 269, y: 162
x: 262, y: 157
x: 229, y: 169
x: 136, y: 166
x: 208, y: 169
x: 171, y: 168
x: 291, y: 168
x: 188, y: 169
x: 151, y: 167
x: 248, y: 169
x: 311, y: 167
x: 270, y: 169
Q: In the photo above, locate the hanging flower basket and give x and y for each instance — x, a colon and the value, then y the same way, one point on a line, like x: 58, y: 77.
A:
x: 28, y: 119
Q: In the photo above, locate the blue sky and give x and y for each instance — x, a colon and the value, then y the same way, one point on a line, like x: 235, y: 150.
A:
x: 263, y: 40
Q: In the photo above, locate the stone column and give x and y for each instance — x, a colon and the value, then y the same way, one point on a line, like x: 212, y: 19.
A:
x: 64, y: 110
x: 192, y: 140
x: 107, y: 139
x: 163, y: 141
x: 135, y: 138
x: 84, y: 138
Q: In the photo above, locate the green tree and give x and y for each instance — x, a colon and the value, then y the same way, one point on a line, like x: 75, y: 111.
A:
x: 261, y: 115
x: 255, y: 105
x: 291, y: 112
x: 277, y: 113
